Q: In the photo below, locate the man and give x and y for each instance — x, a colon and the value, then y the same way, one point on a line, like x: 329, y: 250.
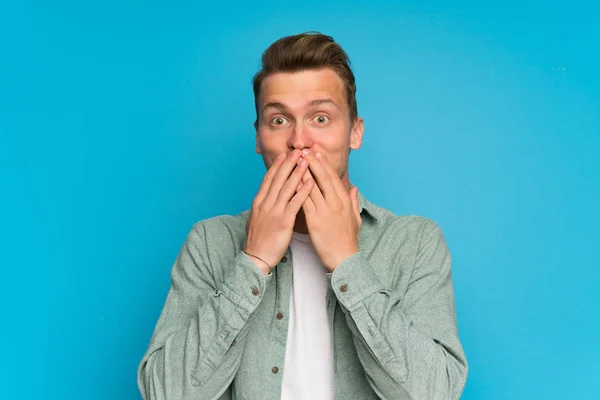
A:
x: 314, y: 293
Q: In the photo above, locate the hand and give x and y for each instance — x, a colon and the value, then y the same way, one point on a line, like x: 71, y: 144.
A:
x: 332, y: 215
x: 271, y: 221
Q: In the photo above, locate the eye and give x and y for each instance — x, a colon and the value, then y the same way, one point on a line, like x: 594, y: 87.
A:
x: 321, y: 119
x: 278, y: 121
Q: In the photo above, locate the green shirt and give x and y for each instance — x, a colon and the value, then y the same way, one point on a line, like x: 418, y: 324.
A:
x: 390, y: 307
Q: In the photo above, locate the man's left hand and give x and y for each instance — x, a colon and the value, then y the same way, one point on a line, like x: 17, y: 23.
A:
x: 332, y: 214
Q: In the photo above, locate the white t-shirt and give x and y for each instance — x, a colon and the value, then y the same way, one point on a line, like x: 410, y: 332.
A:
x: 308, y: 368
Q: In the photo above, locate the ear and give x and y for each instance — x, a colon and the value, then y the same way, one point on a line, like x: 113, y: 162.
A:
x: 356, y: 134
x: 257, y: 149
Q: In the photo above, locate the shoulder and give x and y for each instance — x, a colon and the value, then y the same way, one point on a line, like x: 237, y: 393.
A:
x: 415, y: 227
x: 223, y: 233
x: 397, y: 245
x: 404, y: 236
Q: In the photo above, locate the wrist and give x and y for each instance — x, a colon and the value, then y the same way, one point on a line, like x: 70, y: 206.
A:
x: 335, y: 262
x: 261, y: 264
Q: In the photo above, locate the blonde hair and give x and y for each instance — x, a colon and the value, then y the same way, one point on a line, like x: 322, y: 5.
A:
x: 309, y: 50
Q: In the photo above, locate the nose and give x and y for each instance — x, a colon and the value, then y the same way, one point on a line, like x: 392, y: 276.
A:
x: 300, y: 137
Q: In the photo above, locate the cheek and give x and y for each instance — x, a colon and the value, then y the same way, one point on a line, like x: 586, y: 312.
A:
x: 271, y: 145
x: 337, y: 149
x: 272, y: 141
x: 337, y: 144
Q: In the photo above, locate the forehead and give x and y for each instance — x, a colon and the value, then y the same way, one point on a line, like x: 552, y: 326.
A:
x: 298, y: 88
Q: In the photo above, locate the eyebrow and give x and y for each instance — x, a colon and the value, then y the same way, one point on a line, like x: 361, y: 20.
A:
x: 316, y: 102
x: 273, y: 104
x: 322, y: 101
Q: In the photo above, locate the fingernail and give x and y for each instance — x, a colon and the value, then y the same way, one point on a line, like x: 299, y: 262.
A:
x: 305, y: 152
x: 281, y: 156
x: 318, y: 155
x: 302, y: 162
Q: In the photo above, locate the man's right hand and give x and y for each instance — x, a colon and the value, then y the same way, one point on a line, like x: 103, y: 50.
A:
x: 271, y: 221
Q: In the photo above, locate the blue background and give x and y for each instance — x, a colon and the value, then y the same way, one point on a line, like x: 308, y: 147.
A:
x: 124, y: 122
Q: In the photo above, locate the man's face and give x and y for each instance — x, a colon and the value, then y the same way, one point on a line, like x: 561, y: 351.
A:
x: 307, y: 110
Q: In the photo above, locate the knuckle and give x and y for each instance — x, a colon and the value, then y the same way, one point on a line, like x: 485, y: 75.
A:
x: 337, y: 205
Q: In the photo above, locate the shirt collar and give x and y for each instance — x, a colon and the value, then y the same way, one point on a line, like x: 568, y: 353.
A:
x: 366, y: 205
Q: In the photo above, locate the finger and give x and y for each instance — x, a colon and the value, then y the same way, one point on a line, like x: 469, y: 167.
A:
x: 317, y: 197
x: 289, y: 188
x: 335, y: 178
x: 321, y: 176
x: 282, y: 175
x: 268, y: 178
x: 309, y: 206
x: 307, y: 175
x: 300, y: 197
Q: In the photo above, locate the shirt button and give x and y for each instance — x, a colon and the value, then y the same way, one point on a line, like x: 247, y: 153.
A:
x: 255, y: 291
x: 279, y: 315
x: 275, y: 370
x: 344, y: 288
x: 284, y: 259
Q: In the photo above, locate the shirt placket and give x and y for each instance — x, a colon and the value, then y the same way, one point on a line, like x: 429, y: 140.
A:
x: 279, y: 332
x: 331, y: 301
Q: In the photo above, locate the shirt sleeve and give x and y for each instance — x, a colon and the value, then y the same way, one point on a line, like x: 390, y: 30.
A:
x: 197, y: 344
x: 407, y: 342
